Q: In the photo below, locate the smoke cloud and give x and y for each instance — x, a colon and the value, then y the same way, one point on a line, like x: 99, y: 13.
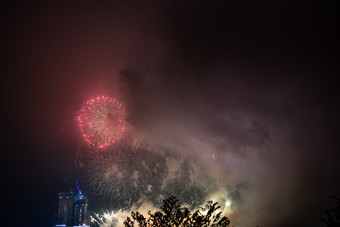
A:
x: 241, y: 93
x: 260, y: 138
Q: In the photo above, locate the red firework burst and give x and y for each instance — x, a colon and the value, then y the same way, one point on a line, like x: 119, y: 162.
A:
x: 102, y: 121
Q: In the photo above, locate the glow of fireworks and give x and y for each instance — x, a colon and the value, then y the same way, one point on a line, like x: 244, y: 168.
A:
x: 227, y: 204
x: 101, y: 121
x: 109, y: 219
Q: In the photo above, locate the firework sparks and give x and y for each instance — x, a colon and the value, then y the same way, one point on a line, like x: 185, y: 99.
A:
x: 123, y: 176
x: 109, y: 219
x: 101, y: 121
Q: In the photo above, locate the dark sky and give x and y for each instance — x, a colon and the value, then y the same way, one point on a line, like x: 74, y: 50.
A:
x: 255, y: 79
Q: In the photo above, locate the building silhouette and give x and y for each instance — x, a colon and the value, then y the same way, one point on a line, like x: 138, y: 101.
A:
x: 81, y: 216
x: 72, y: 210
x: 64, y: 216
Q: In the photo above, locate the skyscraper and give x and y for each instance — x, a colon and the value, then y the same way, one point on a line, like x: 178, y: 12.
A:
x: 72, y: 209
x: 81, y: 216
x: 64, y: 217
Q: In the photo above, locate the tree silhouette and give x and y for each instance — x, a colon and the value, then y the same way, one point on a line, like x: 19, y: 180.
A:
x: 333, y: 215
x: 172, y: 214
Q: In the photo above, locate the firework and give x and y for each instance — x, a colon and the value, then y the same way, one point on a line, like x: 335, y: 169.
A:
x: 101, y: 121
x: 109, y: 219
x: 124, y: 176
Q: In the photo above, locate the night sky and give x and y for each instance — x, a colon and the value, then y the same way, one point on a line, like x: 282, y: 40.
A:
x: 254, y: 80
